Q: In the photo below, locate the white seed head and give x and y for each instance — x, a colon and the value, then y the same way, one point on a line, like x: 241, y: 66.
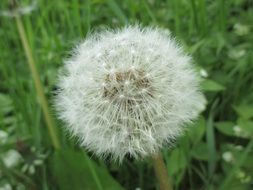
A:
x: 143, y: 93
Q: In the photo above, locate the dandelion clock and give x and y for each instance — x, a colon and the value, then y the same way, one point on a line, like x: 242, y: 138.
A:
x: 128, y: 92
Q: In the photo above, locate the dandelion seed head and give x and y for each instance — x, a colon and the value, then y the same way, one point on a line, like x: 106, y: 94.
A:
x: 143, y: 93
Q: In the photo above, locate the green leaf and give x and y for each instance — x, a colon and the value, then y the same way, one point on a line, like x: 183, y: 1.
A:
x: 177, y: 162
x: 5, y: 103
x: 237, y: 184
x: 210, y: 85
x: 246, y: 127
x: 245, y: 111
x: 75, y: 170
x: 225, y: 127
x: 197, y: 130
x: 200, y: 152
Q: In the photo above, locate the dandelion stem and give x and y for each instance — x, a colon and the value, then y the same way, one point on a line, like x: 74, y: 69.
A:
x: 161, y: 172
x: 38, y: 85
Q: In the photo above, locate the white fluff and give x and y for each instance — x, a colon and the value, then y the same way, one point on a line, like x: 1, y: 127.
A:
x: 128, y: 92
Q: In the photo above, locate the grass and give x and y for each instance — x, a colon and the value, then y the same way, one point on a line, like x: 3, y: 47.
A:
x: 217, y: 33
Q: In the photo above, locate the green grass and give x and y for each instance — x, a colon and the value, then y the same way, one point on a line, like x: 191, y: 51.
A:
x: 217, y: 33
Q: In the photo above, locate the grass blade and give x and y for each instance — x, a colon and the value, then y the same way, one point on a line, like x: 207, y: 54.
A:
x: 117, y: 11
x: 38, y: 85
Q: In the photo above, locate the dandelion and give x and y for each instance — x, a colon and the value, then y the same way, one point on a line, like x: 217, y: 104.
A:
x: 5, y: 186
x: 22, y: 10
x: 3, y: 137
x: 128, y: 92
x: 241, y: 29
x: 203, y: 73
x: 237, y: 130
x: 11, y: 158
x: 228, y: 156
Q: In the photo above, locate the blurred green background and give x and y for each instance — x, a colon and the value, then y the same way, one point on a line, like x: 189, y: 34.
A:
x: 215, y: 154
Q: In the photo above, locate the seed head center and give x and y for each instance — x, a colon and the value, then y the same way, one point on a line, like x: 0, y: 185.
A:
x: 131, y: 86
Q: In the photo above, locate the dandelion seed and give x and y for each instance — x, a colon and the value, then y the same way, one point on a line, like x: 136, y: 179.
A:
x: 133, y: 51
x: 148, y: 99
x: 127, y: 82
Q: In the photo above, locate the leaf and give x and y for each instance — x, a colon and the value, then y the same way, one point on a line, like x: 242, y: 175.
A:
x: 246, y: 127
x: 75, y: 170
x: 237, y: 184
x: 177, y: 161
x: 197, y: 130
x: 200, y: 152
x: 226, y: 127
x: 210, y: 85
x: 245, y: 111
x: 5, y: 103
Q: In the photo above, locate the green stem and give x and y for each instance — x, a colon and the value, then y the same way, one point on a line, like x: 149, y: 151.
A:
x: 161, y: 173
x: 38, y: 84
